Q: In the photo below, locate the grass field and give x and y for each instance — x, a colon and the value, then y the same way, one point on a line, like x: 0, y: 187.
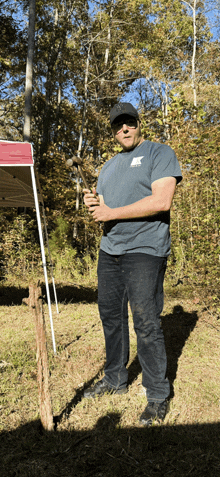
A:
x: 102, y: 437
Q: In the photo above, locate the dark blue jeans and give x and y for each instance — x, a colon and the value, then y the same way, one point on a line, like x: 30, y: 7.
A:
x: 137, y: 278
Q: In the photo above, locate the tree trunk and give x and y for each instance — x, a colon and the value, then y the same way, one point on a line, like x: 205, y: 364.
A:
x: 29, y: 72
x: 193, y: 71
x: 75, y: 229
x: 194, y: 55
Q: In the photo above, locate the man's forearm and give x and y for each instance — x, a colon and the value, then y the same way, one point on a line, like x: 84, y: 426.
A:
x: 143, y: 208
x: 159, y: 201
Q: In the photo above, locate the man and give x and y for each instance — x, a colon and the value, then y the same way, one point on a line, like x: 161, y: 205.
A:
x: 135, y: 191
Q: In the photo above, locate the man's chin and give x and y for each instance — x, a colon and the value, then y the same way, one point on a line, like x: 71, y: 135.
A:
x: 127, y: 147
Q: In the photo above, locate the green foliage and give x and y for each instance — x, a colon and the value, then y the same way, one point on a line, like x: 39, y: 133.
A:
x: 195, y: 214
x: 151, y: 41
x: 20, y: 249
x: 59, y: 238
x: 62, y: 253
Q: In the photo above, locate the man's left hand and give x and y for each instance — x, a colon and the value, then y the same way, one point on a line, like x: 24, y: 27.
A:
x: 102, y: 213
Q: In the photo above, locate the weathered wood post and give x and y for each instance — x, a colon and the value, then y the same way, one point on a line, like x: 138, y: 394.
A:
x: 35, y: 302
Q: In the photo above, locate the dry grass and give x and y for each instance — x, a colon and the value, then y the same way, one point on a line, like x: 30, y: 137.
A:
x: 102, y: 437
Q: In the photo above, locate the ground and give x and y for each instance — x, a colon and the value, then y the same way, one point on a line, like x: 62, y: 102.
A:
x: 102, y: 437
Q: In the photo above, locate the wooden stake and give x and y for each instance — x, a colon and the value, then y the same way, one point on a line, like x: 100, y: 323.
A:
x: 46, y: 414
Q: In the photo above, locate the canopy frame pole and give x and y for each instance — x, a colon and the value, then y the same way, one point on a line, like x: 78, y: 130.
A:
x: 43, y: 254
x: 50, y: 259
x: 46, y: 234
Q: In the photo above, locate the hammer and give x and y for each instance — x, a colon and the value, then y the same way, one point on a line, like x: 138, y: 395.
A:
x: 76, y: 162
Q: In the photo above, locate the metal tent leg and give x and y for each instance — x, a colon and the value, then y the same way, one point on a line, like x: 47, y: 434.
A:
x: 43, y: 255
x: 50, y: 259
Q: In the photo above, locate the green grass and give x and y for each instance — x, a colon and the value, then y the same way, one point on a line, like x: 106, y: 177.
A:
x: 102, y: 437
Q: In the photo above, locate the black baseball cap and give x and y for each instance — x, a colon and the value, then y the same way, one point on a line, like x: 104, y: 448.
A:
x: 123, y: 108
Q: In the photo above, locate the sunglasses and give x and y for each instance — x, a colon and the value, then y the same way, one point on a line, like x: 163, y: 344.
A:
x: 131, y: 123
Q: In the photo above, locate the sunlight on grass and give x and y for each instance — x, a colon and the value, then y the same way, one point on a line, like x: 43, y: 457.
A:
x: 192, y: 341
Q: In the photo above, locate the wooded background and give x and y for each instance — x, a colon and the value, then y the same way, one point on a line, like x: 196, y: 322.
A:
x: 163, y: 56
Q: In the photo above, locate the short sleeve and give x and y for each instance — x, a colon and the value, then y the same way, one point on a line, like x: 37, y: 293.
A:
x: 165, y: 164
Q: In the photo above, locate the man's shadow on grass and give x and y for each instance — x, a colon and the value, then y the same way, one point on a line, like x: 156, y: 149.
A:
x: 177, y: 327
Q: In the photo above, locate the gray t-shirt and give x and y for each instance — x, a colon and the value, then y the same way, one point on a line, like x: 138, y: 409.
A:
x: 127, y: 178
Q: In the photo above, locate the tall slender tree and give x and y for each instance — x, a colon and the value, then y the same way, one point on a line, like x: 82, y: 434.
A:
x: 29, y: 72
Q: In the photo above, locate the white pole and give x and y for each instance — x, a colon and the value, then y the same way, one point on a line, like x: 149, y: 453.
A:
x: 43, y: 254
x: 46, y: 235
x: 51, y: 266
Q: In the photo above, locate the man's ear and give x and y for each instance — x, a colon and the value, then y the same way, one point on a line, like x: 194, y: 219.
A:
x: 114, y: 135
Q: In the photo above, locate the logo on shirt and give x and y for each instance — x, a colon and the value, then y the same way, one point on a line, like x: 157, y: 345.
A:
x: 136, y: 161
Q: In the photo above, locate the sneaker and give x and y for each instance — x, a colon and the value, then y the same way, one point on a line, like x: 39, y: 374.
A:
x: 102, y: 387
x: 155, y: 411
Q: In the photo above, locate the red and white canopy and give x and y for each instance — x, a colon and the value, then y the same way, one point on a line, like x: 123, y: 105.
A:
x: 18, y: 189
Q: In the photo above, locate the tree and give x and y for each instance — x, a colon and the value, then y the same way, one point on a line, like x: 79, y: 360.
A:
x: 90, y: 55
x: 9, y: 48
x: 29, y: 72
